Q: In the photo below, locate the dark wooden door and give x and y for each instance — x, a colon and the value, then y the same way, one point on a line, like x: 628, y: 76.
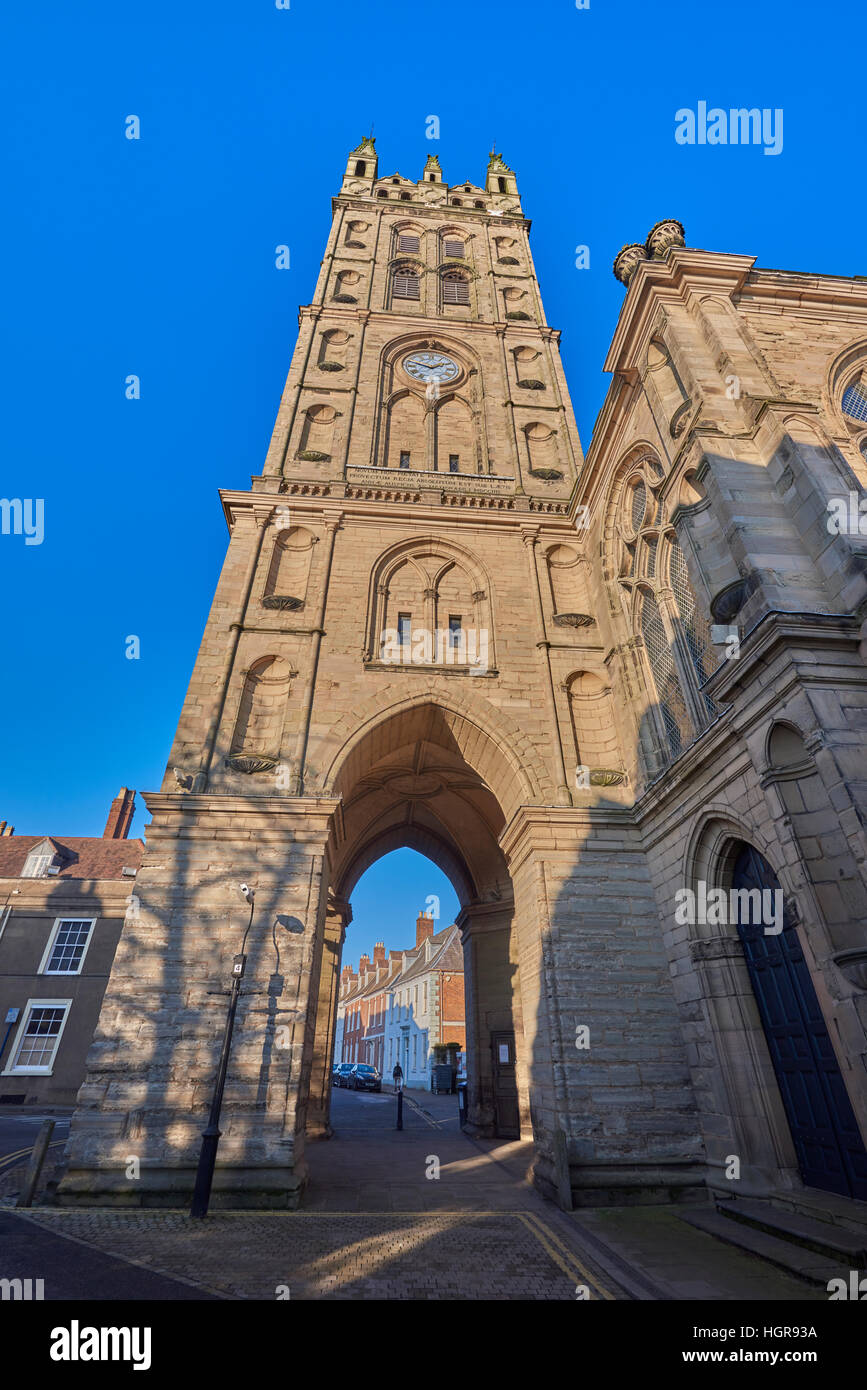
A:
x: 831, y: 1153
x: 506, y: 1118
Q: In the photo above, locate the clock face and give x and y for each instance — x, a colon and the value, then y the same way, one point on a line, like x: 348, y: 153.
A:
x: 430, y: 366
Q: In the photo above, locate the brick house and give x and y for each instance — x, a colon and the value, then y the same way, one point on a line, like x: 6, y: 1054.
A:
x: 63, y: 900
x: 400, y: 1009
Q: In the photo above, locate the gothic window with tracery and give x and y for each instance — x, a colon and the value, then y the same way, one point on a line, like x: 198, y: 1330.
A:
x: 855, y: 401
x: 658, y: 596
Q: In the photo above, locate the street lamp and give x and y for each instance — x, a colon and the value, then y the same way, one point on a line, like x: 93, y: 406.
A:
x: 211, y: 1135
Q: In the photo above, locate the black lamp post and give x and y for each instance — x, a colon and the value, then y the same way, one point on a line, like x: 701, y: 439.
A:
x: 211, y: 1135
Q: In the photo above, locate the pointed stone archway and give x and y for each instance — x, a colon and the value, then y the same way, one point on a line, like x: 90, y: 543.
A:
x: 419, y: 776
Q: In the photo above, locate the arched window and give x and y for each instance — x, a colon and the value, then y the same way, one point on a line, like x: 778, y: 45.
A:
x: 453, y: 246
x: 456, y: 288
x: 652, y: 573
x: 502, y: 185
x: 456, y: 203
x: 478, y: 205
x: 382, y: 193
x: 670, y: 701
x: 360, y: 167
x: 696, y: 629
x: 855, y: 401
x: 404, y: 197
x: 405, y: 283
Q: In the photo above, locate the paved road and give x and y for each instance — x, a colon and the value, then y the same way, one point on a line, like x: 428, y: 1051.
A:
x: 18, y: 1134
x: 422, y: 1214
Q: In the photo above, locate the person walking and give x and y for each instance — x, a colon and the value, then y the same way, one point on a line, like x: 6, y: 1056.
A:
x: 397, y: 1077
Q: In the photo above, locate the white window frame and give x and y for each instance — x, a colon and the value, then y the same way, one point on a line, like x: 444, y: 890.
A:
x: 10, y: 1069
x: 38, y: 862
x: 65, y: 974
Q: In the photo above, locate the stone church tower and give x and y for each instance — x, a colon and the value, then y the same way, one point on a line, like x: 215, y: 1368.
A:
x: 586, y: 688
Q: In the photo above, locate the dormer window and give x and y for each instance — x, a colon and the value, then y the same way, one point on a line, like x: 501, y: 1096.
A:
x: 42, y: 861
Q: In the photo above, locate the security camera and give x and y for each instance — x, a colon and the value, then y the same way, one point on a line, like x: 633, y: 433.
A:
x: 248, y: 892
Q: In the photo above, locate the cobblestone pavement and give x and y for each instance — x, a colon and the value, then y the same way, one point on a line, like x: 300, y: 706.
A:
x: 352, y: 1255
x: 426, y: 1213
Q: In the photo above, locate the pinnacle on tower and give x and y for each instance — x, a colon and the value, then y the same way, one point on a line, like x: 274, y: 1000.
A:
x: 501, y: 179
x: 432, y: 171
x: 362, y: 162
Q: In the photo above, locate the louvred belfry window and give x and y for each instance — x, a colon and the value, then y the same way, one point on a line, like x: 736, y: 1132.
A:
x: 406, y: 285
x: 409, y: 244
x: 456, y: 289
x: 454, y: 248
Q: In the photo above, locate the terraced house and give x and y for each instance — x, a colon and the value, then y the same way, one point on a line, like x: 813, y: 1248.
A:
x: 399, y: 1010
x: 665, y: 690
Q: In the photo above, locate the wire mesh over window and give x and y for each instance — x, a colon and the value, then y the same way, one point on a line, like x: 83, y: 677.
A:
x: 454, y: 248
x: 855, y: 402
x: 651, y: 546
x: 671, y: 704
x: 409, y: 244
x: 406, y: 285
x: 695, y: 626
x: 639, y: 504
x: 456, y: 289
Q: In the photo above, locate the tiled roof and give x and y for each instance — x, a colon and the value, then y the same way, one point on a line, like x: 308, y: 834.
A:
x: 446, y: 954
x: 84, y: 856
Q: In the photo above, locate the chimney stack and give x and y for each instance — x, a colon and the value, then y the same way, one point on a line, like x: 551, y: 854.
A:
x: 424, y: 927
x: 120, y: 815
x: 379, y: 953
x: 364, y: 965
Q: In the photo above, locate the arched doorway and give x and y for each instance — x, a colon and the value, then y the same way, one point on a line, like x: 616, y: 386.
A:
x: 429, y: 779
x: 828, y: 1143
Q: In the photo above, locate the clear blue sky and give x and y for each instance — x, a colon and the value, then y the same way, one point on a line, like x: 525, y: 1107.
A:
x: 156, y: 257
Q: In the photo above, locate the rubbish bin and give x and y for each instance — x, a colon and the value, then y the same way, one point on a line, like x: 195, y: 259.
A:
x: 462, y: 1103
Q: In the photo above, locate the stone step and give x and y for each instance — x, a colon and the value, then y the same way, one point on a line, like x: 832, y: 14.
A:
x: 826, y: 1208
x: 794, y: 1259
x: 833, y: 1242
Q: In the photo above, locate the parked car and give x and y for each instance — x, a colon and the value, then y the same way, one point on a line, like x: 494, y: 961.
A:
x: 364, y: 1078
x: 341, y: 1073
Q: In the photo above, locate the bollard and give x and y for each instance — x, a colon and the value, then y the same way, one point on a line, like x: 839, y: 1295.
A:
x: 400, y: 1108
x: 34, y: 1164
